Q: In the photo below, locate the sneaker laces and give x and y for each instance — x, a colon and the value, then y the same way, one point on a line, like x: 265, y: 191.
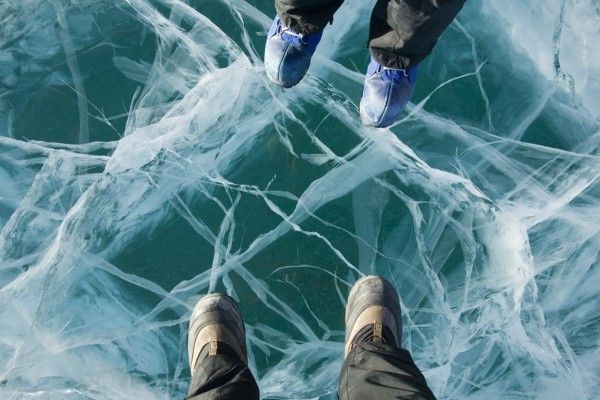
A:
x: 298, y: 39
x: 391, y: 75
x: 404, y: 71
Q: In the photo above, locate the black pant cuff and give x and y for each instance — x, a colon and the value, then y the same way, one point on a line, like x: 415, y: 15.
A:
x: 303, y: 28
x: 391, y: 60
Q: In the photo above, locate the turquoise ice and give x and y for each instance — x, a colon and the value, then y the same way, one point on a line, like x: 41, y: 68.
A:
x: 145, y: 160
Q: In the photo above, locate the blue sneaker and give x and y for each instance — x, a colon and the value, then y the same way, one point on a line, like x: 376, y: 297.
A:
x: 385, y: 94
x: 288, y: 54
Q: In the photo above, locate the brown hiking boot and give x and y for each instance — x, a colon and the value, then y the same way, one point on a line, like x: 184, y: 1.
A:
x: 373, y: 313
x: 216, y: 327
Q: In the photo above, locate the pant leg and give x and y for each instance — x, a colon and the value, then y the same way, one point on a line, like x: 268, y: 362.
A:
x: 307, y: 16
x: 222, y: 377
x: 404, y: 32
x: 375, y: 371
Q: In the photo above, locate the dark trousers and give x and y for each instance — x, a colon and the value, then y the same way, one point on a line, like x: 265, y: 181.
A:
x: 402, y: 33
x: 372, y: 371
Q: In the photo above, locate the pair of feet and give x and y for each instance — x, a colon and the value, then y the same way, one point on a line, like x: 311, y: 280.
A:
x: 386, y: 90
x: 372, y: 315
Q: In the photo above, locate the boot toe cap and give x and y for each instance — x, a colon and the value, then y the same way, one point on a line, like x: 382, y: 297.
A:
x: 383, y: 102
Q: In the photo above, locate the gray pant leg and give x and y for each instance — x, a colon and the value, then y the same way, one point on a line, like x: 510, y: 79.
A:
x: 404, y: 32
x: 306, y: 16
x: 221, y: 377
x: 376, y: 371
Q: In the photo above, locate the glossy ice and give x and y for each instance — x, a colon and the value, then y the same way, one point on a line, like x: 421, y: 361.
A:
x: 145, y: 160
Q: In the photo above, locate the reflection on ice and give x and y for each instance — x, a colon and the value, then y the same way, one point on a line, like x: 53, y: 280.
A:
x: 481, y: 206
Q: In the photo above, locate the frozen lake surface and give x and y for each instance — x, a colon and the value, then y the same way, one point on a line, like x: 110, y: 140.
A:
x: 146, y: 160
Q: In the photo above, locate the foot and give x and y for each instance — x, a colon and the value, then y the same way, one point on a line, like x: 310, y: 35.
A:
x: 386, y: 93
x: 373, y: 314
x: 216, y: 327
x: 288, y: 54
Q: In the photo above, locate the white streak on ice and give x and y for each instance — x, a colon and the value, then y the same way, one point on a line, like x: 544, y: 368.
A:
x: 492, y: 241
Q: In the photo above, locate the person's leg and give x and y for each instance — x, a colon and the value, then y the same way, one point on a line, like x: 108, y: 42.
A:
x: 217, y: 352
x: 294, y: 36
x: 306, y: 16
x: 376, y: 367
x: 404, y: 32
x: 380, y: 371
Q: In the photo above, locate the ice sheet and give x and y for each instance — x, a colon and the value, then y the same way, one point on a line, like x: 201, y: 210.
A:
x: 481, y: 205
